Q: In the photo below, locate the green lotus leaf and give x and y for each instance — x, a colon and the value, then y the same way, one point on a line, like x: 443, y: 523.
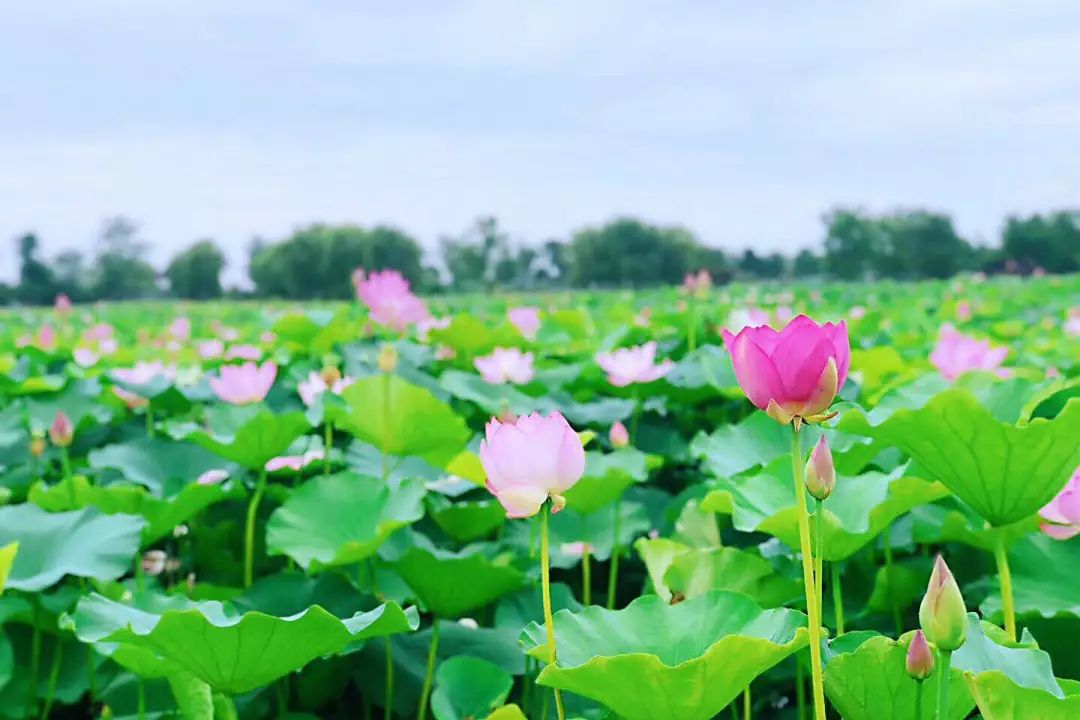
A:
x: 987, y: 648
x: 507, y: 712
x: 466, y: 520
x: 698, y: 571
x: 527, y: 605
x: 261, y: 437
x: 899, y: 585
x: 1043, y: 579
x: 234, y: 653
x: 7, y: 559
x: 570, y: 528
x: 655, y: 660
x: 85, y: 543
x: 492, y: 399
x: 451, y: 584
x: 999, y: 698
x: 953, y: 521
x: 469, y: 688
x: 980, y: 458
x: 607, y: 475
x: 860, y: 509
x: 163, y: 466
x: 870, y: 682
x: 658, y: 554
x: 341, y: 519
x: 400, y: 418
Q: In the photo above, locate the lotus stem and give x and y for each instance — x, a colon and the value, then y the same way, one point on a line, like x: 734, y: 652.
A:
x: 691, y: 340
x: 586, y: 576
x: 433, y: 650
x: 545, y: 583
x: 65, y: 467
x: 1001, y: 556
x: 388, y: 709
x: 943, y: 684
x: 613, y: 570
x: 819, y: 560
x: 149, y: 422
x: 887, y: 547
x: 54, y: 675
x: 797, y: 472
x: 328, y: 445
x: 747, y: 706
x: 918, y: 699
x: 142, y: 699
x: 249, y: 528
x: 35, y: 655
x: 837, y: 596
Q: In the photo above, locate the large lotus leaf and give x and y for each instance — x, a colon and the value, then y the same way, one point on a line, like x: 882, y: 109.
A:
x: 987, y: 648
x: 233, y: 653
x: 858, y: 511
x: 507, y: 712
x: 400, y: 418
x: 658, y: 554
x: 870, y: 682
x: 259, y: 439
x: 78, y: 401
x: 756, y: 441
x: 698, y: 571
x: 466, y: 520
x: 569, y: 529
x: 980, y: 458
x: 469, y: 688
x: 1044, y: 578
x: 527, y: 605
x: 163, y: 466
x: 953, y: 521
x: 85, y: 543
x: 492, y: 399
x: 161, y: 515
x: 7, y: 559
x: 655, y: 660
x: 607, y: 475
x: 341, y: 519
x: 451, y: 584
x: 999, y: 698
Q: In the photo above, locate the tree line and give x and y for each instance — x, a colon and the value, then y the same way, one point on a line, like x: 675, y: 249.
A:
x: 316, y: 262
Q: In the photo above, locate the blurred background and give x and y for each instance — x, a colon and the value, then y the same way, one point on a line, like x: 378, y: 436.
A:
x: 202, y: 149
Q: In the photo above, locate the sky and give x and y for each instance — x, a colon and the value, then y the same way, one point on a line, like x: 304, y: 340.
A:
x: 743, y: 121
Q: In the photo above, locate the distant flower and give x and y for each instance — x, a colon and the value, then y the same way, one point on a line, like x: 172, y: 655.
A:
x: 425, y: 326
x: 296, y: 463
x: 1061, y: 516
x: 210, y: 349
x: 505, y: 365
x: 243, y: 352
x: 315, y: 385
x: 268, y: 336
x: 627, y: 366
x: 244, y: 384
x: 445, y: 352
x: 784, y: 313
x: 61, y: 432
x: 140, y: 374
x: 956, y: 354
x: 740, y: 318
x: 526, y: 319
x: 618, y: 436
x: 857, y: 312
x: 576, y: 549
x: 180, y: 329
x: 212, y: 477
x: 224, y: 332
x: 389, y: 300
x: 62, y: 304
x: 85, y: 357
x: 963, y: 311
x: 46, y: 338
x: 697, y: 283
x: 1072, y: 322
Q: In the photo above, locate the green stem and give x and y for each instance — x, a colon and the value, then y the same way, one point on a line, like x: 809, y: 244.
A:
x: 613, y: 569
x: 65, y: 466
x: 887, y: 542
x: 249, y: 528
x: 433, y: 650
x: 142, y: 699
x: 281, y: 689
x: 797, y: 473
x: 328, y: 445
x: 149, y: 422
x: 1001, y: 556
x: 35, y: 656
x: 545, y: 583
x: 586, y: 577
x: 918, y: 699
x: 819, y: 560
x: 747, y: 706
x: 800, y: 691
x: 388, y: 709
x: 943, y: 684
x: 837, y: 597
x: 692, y: 335
x: 54, y: 675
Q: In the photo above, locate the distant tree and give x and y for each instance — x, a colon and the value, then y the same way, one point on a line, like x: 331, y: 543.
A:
x: 768, y: 267
x: 1051, y: 242
x: 922, y: 244
x: 120, y: 270
x: 37, y: 285
x: 7, y: 294
x: 806, y: 264
x: 629, y: 252
x: 195, y: 273
x: 853, y: 244
x: 69, y: 268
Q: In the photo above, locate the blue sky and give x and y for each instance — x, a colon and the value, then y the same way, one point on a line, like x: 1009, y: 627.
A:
x: 742, y: 121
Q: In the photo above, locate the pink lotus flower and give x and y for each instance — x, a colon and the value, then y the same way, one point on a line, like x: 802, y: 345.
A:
x: 180, y: 329
x: 210, y: 349
x: 62, y: 304
x: 505, y: 365
x: 1072, y: 322
x: 697, y: 283
x: 61, y: 432
x: 46, y: 338
x: 530, y: 460
x: 1061, y: 516
x: 296, y: 463
x: 526, y: 319
x: 315, y: 385
x: 243, y: 352
x: 212, y: 477
x: 618, y: 436
x: 389, y: 299
x: 141, y: 374
x: 84, y: 357
x: 793, y: 373
x: 244, y: 384
x: 627, y: 366
x: 425, y: 326
x: 956, y: 354
x: 963, y: 311
x: 746, y: 317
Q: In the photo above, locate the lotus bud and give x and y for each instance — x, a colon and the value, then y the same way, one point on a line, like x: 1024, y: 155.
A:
x: 37, y: 445
x: 942, y: 614
x: 920, y: 659
x: 153, y: 562
x: 820, y: 471
x: 618, y: 436
x: 388, y: 358
x: 331, y: 376
x: 61, y: 432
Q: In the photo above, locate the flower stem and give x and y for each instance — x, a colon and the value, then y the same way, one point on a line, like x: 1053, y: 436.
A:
x: 747, y: 706
x: 545, y: 582
x: 433, y: 650
x: 797, y: 471
x: 149, y: 422
x: 819, y: 560
x: 837, y: 597
x: 613, y: 571
x: 800, y: 691
x: 586, y: 577
x: 35, y: 655
x: 249, y: 528
x: 54, y: 675
x: 328, y: 445
x: 943, y: 684
x: 388, y: 709
x: 886, y: 538
x: 918, y: 699
x: 1001, y: 556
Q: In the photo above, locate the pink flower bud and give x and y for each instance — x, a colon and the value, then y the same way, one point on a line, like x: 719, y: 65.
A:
x: 61, y: 432
x: 920, y: 659
x: 942, y: 614
x: 820, y: 472
x: 618, y: 436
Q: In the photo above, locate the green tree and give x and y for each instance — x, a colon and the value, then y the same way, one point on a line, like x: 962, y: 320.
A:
x: 195, y: 273
x: 37, y: 285
x: 120, y: 270
x: 69, y: 268
x: 629, y: 252
x: 806, y: 264
x: 853, y: 244
x: 923, y: 244
x: 1051, y: 242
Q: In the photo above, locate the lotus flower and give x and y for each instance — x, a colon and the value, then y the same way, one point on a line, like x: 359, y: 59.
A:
x: 243, y: 352
x: 526, y: 319
x: 296, y: 463
x: 530, y: 460
x: 1072, y: 322
x: 697, y: 283
x: 746, y: 317
x: 61, y: 432
x: 244, y: 384
x: 793, y: 373
x: 212, y: 477
x: 180, y: 329
x: 140, y: 374
x: 389, y: 299
x: 627, y: 366
x: 942, y: 614
x: 505, y: 365
x: 1061, y: 516
x: 956, y: 354
x: 919, y: 662
x: 62, y: 304
x: 315, y: 385
x: 210, y: 349
x: 84, y: 357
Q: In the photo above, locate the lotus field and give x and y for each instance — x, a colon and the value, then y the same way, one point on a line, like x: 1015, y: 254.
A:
x: 842, y: 501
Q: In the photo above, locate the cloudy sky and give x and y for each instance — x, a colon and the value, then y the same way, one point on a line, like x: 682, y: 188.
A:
x: 743, y: 121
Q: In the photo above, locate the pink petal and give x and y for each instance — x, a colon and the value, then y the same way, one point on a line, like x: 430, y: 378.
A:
x: 755, y: 371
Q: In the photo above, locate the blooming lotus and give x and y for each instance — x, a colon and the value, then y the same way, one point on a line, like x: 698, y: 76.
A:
x: 62, y: 304
x: 141, y: 374
x: 794, y: 373
x: 526, y: 319
x: 180, y: 329
x: 296, y: 463
x: 698, y: 283
x: 84, y: 357
x: 1061, y: 516
x: 956, y: 354
x: 505, y: 365
x: 389, y: 299
x: 530, y: 460
x: 210, y: 349
x: 244, y: 384
x: 243, y: 352
x: 627, y: 366
x: 316, y: 384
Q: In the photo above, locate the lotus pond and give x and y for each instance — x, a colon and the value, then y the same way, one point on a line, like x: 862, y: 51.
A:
x: 590, y: 505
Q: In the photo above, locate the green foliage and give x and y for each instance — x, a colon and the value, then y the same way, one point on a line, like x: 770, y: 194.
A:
x: 196, y: 272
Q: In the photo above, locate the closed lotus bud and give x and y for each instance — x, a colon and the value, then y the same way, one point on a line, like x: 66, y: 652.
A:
x: 820, y: 471
x: 331, y: 376
x: 942, y: 614
x: 61, y: 432
x: 388, y: 358
x: 37, y: 445
x: 618, y: 436
x: 153, y: 562
x: 920, y: 659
